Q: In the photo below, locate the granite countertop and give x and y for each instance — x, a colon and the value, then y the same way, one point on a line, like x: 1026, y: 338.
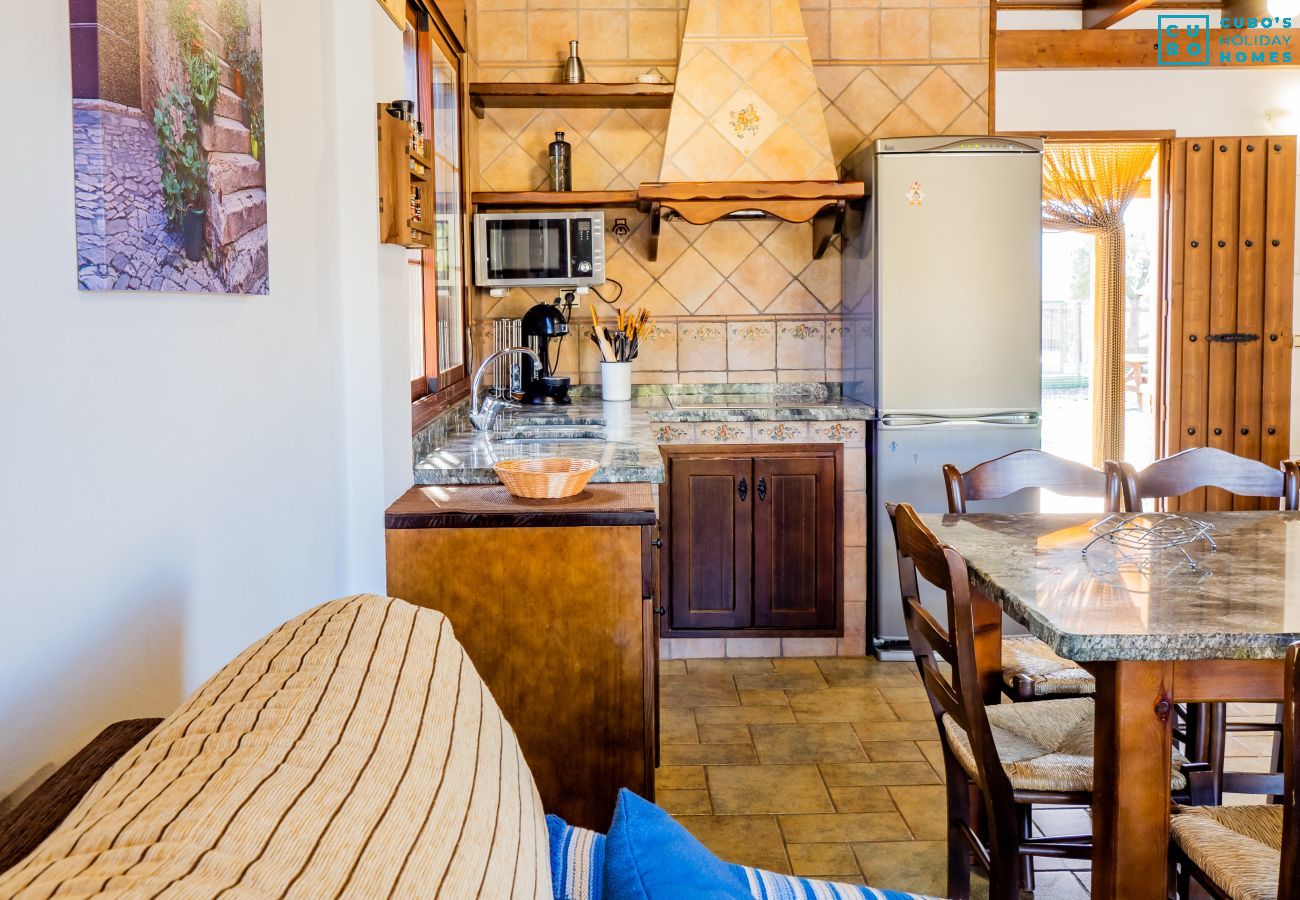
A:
x: 1240, y: 602
x: 617, y: 435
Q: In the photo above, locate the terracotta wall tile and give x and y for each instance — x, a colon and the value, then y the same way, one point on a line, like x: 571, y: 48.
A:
x: 883, y: 82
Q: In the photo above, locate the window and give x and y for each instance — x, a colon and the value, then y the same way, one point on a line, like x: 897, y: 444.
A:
x: 438, y: 295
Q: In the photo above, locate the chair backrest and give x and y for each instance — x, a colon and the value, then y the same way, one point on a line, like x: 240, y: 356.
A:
x: 1202, y: 467
x: 1289, y: 880
x: 1018, y: 470
x: 959, y: 694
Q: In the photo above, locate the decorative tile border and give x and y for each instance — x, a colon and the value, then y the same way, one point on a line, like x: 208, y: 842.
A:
x: 780, y: 432
x: 723, y: 433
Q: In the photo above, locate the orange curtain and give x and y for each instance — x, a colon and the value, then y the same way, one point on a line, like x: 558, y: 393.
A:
x: 1087, y: 187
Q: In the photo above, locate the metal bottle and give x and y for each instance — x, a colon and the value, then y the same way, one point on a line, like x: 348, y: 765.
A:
x: 574, y: 73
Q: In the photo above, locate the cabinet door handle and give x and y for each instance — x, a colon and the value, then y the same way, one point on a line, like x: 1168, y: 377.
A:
x: 762, y: 487
x: 743, y: 489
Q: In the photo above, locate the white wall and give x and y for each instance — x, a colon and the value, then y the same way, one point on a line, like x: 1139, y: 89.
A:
x: 179, y: 474
x: 1191, y: 102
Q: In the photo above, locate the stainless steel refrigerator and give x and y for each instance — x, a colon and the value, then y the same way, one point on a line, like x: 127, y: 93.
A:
x: 942, y: 313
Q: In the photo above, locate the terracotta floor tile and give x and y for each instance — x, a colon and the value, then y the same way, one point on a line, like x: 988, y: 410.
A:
x: 917, y: 866
x: 679, y: 778
x: 893, y: 751
x: 914, y: 712
x: 851, y: 671
x: 861, y: 799
x: 746, y: 840
x: 741, y: 790
x: 729, y: 666
x: 672, y: 667
x: 897, y: 731
x: 726, y: 733
x: 910, y: 694
x: 795, y: 665
x: 764, y: 697
x: 932, y: 750
x: 707, y: 754
x: 815, y: 829
x: 823, y: 860
x: 785, y: 681
x: 698, y: 690
x: 677, y: 725
x: 683, y: 802
x: 822, y: 742
x: 924, y: 808
x: 750, y: 715
x: 865, y: 774
x: 854, y: 704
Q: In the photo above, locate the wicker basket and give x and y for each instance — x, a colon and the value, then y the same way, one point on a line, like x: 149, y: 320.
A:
x: 547, y: 478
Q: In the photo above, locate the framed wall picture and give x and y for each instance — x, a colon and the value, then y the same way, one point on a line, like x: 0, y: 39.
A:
x: 169, y: 137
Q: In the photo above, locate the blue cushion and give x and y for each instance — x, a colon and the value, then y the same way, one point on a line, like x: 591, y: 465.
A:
x: 649, y: 856
x: 577, y: 861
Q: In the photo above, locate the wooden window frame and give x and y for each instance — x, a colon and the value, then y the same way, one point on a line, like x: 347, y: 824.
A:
x: 438, y: 388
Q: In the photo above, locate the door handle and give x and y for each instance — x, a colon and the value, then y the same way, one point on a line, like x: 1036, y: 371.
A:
x: 743, y: 489
x: 762, y: 487
x: 1232, y: 337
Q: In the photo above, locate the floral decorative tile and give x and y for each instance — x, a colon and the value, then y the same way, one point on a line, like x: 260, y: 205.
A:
x: 780, y: 432
x: 672, y: 434
x: 850, y: 434
x: 751, y: 345
x: 801, y: 345
x: 723, y: 433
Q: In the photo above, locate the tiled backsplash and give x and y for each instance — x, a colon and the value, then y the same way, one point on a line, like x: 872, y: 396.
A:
x: 902, y: 67
x: 701, y: 350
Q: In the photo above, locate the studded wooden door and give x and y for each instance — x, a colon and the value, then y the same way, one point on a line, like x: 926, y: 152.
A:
x: 1229, y: 331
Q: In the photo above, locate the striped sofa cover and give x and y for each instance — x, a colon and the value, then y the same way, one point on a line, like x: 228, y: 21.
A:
x: 354, y: 751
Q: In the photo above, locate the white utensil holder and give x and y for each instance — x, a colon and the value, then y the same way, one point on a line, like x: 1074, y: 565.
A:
x: 616, y: 381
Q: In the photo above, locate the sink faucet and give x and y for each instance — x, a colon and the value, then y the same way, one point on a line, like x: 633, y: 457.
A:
x: 483, y: 416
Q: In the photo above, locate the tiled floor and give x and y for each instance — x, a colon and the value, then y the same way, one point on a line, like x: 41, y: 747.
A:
x: 830, y: 768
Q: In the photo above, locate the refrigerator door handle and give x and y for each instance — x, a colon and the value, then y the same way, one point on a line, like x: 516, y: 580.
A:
x: 1012, y: 420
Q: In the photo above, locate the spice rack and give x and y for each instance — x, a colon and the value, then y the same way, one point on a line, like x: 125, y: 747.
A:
x: 405, y: 185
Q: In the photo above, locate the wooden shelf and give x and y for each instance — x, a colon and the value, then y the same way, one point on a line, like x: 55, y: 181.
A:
x: 554, y: 199
x: 505, y: 94
x: 821, y: 202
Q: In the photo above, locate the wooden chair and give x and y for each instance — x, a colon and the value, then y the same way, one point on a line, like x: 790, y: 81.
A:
x: 1190, y: 470
x: 1006, y: 750
x: 1230, y: 850
x: 1001, y: 477
x: 1030, y: 670
x: 1197, y: 468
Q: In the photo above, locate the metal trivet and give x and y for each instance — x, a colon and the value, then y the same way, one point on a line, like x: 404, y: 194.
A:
x: 1152, y: 531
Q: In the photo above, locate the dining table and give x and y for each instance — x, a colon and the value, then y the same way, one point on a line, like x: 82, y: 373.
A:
x: 1206, y: 622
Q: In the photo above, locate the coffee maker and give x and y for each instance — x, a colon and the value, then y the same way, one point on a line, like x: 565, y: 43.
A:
x: 544, y: 328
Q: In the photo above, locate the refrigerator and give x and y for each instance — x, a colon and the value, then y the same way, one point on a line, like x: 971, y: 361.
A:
x: 941, y: 293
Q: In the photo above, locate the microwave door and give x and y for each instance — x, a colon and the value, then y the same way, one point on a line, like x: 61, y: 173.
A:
x: 523, y: 249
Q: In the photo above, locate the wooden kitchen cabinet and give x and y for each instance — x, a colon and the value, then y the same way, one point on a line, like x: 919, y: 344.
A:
x: 753, y: 539
x: 555, y: 604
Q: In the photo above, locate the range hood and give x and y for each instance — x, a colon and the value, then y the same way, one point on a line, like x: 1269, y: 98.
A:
x: 746, y: 133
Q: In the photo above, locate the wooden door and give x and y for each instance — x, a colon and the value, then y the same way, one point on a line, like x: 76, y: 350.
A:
x: 1229, y: 335
x: 709, y: 541
x: 796, y: 546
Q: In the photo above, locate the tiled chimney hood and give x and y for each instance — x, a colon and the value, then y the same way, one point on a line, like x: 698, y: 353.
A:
x: 746, y: 134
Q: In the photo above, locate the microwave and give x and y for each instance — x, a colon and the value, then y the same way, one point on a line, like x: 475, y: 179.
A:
x: 551, y: 249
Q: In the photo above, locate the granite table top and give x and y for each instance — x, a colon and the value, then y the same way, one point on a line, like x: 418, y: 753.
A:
x: 1241, y: 601
x: 617, y: 435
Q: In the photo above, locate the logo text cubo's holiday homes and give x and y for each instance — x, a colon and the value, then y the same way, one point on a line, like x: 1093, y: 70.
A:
x: 1188, y: 40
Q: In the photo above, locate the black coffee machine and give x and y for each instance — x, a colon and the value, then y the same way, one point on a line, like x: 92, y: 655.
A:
x: 543, y: 324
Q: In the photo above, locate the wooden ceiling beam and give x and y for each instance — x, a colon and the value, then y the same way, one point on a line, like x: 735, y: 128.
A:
x: 1100, y: 14
x: 1088, y: 49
